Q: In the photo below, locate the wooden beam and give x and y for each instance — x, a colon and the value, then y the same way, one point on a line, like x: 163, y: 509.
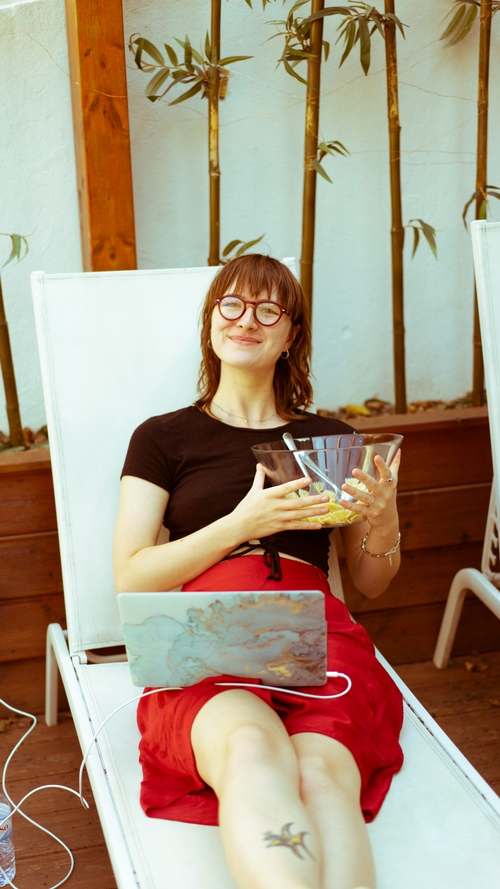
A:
x: 101, y: 128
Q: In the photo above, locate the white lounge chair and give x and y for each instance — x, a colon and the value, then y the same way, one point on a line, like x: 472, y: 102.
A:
x: 484, y: 583
x: 116, y: 348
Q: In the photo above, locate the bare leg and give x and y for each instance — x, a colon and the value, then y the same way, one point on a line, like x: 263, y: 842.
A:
x: 243, y: 751
x: 330, y: 785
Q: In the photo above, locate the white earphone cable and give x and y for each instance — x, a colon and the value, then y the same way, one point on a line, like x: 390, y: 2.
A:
x: 79, y: 792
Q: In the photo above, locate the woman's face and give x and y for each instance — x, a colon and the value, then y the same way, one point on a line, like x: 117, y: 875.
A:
x: 245, y: 343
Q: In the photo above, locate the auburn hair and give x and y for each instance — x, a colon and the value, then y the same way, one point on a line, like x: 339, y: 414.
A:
x: 261, y: 276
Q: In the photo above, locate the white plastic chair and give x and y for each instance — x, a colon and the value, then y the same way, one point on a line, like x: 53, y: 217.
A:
x: 116, y: 348
x: 485, y: 584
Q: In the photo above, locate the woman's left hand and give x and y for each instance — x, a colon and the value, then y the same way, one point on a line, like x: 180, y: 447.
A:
x: 378, y: 504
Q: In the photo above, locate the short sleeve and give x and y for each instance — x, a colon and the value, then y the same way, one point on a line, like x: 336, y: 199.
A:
x: 147, y: 456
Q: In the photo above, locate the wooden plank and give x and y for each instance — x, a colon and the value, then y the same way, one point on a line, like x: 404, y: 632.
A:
x: 440, y: 517
x: 27, y: 503
x: 24, y: 461
x: 463, y: 703
x: 30, y: 565
x: 440, y: 449
x: 102, y: 138
x: 406, y: 635
x: 23, y: 625
x: 443, y: 516
x: 22, y: 684
x: 52, y: 755
x: 425, y: 421
x: 425, y: 577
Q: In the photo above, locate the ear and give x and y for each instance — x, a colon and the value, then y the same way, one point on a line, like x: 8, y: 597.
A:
x: 293, y: 335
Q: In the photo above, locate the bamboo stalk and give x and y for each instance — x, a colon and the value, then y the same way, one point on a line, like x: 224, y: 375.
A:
x: 481, y: 178
x: 213, y: 136
x: 397, y: 230
x: 9, y: 381
x: 310, y: 154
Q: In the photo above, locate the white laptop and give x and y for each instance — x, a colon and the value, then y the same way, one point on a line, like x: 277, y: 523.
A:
x: 178, y: 639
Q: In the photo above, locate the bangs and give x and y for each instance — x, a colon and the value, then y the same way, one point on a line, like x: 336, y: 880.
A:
x: 260, y: 276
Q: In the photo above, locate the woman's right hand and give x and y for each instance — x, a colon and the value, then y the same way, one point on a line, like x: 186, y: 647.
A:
x: 266, y: 511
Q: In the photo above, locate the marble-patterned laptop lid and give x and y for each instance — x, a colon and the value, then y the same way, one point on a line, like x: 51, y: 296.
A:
x: 178, y: 639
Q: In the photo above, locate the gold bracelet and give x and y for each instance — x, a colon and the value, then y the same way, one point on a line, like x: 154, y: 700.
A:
x: 381, y: 555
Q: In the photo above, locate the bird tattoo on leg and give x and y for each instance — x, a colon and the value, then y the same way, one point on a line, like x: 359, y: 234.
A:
x: 293, y: 841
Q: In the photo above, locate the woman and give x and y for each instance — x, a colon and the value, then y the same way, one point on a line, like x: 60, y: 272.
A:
x: 289, y: 779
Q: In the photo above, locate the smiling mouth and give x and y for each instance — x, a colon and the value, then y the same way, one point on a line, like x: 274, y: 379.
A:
x: 245, y: 340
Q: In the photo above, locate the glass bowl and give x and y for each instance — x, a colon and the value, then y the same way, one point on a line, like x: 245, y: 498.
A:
x: 329, y: 461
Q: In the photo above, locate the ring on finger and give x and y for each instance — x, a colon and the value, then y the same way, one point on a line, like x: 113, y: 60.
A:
x: 370, y: 502
x: 388, y: 480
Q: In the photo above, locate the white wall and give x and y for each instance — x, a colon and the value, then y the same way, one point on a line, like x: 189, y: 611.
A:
x: 261, y: 160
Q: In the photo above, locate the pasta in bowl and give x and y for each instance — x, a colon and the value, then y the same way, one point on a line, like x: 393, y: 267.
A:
x: 329, y: 461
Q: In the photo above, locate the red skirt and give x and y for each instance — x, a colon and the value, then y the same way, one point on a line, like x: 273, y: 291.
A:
x: 367, y: 720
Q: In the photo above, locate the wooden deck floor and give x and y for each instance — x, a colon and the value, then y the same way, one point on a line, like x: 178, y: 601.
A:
x: 465, y: 702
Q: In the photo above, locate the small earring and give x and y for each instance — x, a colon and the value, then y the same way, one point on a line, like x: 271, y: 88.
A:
x: 285, y: 355
x: 209, y: 344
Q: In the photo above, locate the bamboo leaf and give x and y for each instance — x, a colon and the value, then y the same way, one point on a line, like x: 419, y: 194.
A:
x: 483, y: 209
x: 465, y: 26
x: 378, y: 26
x: 364, y: 44
x: 469, y: 19
x: 289, y: 70
x: 330, y: 10
x: 208, y: 48
x: 229, y: 247
x: 429, y: 234
x: 156, y: 83
x: 196, y: 56
x: 188, y: 51
x: 474, y: 197
x: 457, y: 18
x: 398, y: 22
x: 187, y: 95
x: 171, y: 54
x: 349, y: 41
x: 249, y: 244
x: 326, y: 48
x: 430, y: 237
x: 338, y: 147
x: 230, y: 59
x: 293, y: 53
x: 319, y: 169
x: 295, y: 7
x: 416, y: 237
x: 144, y: 45
x: 17, y: 242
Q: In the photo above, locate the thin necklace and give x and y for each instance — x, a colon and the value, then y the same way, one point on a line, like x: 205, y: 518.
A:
x: 237, y: 417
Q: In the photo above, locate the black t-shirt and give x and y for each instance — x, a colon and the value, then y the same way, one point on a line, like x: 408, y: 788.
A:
x: 207, y: 467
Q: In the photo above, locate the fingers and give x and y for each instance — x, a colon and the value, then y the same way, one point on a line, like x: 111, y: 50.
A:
x: 259, y: 478
x: 290, y: 487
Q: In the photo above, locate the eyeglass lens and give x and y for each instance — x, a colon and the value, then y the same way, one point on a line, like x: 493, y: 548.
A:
x: 233, y: 307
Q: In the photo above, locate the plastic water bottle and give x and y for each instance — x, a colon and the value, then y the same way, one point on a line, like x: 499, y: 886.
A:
x: 7, y: 856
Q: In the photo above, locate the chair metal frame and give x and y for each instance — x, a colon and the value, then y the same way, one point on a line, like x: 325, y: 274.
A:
x: 485, y: 584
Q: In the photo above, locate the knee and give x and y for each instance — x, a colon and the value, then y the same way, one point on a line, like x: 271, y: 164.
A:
x: 333, y: 770
x: 250, y: 746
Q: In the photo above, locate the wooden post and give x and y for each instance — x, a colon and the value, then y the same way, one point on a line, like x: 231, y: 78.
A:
x: 213, y: 136
x: 310, y: 154
x: 102, y: 140
x: 481, y: 179
x: 397, y: 230
x: 9, y: 381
